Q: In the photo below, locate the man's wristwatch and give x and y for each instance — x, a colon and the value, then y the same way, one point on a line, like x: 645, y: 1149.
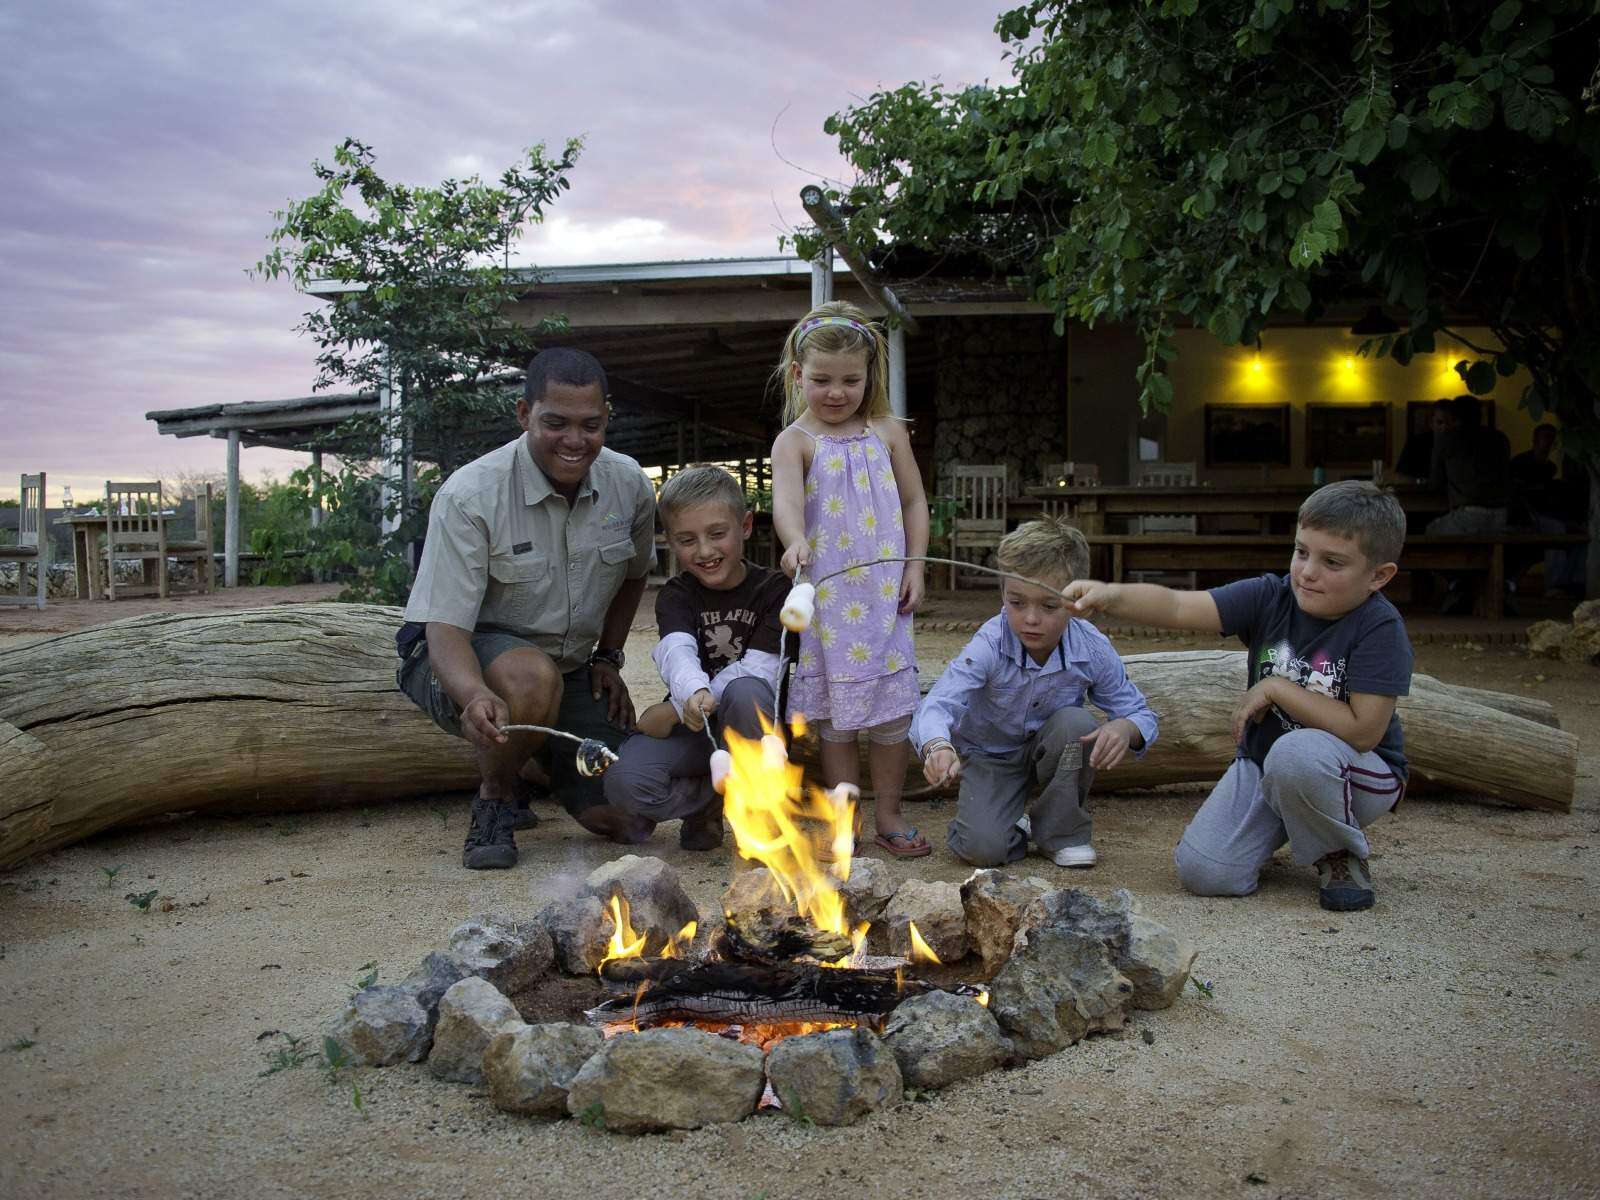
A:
x: 611, y: 658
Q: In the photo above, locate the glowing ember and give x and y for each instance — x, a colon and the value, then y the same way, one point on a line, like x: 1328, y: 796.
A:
x: 920, y: 950
x: 786, y: 825
x: 624, y: 942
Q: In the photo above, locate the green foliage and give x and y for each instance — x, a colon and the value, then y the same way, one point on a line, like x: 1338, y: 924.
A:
x: 424, y: 283
x: 593, y: 1117
x: 111, y: 874
x: 141, y: 900
x: 1166, y: 161
x: 20, y: 1044
x: 367, y: 977
x: 293, y: 1052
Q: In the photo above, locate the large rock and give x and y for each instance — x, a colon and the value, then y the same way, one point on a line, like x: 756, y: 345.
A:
x: 935, y: 908
x: 940, y: 1038
x: 529, y: 1067
x: 667, y: 1079
x: 439, y: 972
x: 834, y: 1078
x: 512, y: 955
x: 752, y: 895
x: 382, y: 1026
x: 658, y: 907
x: 1546, y: 638
x: 1058, y: 985
x: 868, y: 891
x: 1156, y: 961
x: 471, y: 1015
x: 579, y: 930
x: 994, y: 902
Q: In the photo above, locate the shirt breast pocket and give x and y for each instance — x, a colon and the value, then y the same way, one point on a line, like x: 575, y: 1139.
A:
x: 521, y: 586
x: 613, y: 565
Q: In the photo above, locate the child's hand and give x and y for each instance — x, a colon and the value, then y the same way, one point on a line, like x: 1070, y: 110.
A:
x: 1253, y: 706
x: 1111, y: 742
x: 795, y: 557
x: 941, y: 767
x: 697, y: 708
x: 912, y: 587
x: 1090, y: 595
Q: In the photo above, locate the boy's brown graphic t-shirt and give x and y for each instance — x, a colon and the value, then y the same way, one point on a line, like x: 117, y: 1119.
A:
x: 725, y: 625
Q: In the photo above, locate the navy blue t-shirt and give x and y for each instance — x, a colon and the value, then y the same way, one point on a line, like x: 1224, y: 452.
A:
x: 1364, y: 651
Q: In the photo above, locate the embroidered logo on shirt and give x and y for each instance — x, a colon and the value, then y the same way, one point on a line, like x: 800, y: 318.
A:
x: 522, y: 547
x: 611, y: 520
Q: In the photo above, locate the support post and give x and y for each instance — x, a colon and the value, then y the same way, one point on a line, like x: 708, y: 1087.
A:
x: 897, y: 370
x: 698, y: 457
x: 822, y: 277
x: 392, y: 493
x: 316, y: 501
x: 230, y: 522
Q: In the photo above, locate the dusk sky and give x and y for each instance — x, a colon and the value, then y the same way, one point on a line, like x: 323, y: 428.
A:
x: 147, y: 146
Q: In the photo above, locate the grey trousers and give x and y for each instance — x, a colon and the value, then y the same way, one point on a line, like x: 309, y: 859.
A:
x: 995, y: 787
x: 666, y: 779
x: 1314, y: 792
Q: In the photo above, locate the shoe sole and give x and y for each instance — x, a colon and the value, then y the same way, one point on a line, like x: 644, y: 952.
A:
x: 490, y: 858
x: 1346, y: 901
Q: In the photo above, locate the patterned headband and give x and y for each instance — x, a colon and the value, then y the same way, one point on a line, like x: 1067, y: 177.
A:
x: 807, y: 326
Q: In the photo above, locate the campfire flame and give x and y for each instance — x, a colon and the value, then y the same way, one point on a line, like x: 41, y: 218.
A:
x: 680, y: 941
x: 624, y: 943
x: 787, y: 826
x: 920, y: 950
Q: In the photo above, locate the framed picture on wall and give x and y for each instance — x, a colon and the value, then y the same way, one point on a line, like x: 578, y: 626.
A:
x: 1247, y: 435
x: 1346, y: 435
x: 1419, y: 416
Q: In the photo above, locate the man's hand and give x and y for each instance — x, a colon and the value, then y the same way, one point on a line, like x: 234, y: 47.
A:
x: 795, y: 557
x: 941, y: 767
x: 1090, y: 596
x: 912, y: 587
x: 697, y: 708
x: 481, y: 720
x: 605, y: 680
x: 1111, y: 742
x: 1254, y: 705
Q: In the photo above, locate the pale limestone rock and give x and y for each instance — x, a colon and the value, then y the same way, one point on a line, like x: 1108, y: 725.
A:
x: 658, y: 907
x: 528, y: 1068
x: 580, y: 931
x: 994, y: 902
x: 512, y: 955
x: 1058, y: 985
x: 940, y: 1038
x: 935, y: 908
x: 382, y: 1026
x: 667, y: 1079
x: 834, y: 1078
x: 471, y: 1014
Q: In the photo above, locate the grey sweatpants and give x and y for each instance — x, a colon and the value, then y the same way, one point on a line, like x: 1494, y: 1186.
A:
x: 1314, y: 791
x: 995, y: 787
x: 666, y: 779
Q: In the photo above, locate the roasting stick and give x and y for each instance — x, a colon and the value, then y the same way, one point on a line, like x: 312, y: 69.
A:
x: 593, y: 757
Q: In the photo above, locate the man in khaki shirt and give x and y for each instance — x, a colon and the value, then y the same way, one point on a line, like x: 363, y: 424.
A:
x: 533, y: 567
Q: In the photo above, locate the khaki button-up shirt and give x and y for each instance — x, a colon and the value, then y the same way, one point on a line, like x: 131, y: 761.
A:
x: 505, y: 550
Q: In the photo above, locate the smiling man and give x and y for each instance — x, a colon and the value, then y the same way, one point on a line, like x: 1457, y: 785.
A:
x: 534, y: 564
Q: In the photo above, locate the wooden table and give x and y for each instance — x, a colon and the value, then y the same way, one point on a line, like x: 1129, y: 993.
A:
x: 1090, y: 506
x: 86, y: 566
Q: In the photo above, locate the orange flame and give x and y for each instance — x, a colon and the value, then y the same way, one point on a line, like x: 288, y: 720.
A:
x: 624, y: 943
x: 983, y: 997
x: 786, y: 825
x: 680, y: 941
x: 920, y: 950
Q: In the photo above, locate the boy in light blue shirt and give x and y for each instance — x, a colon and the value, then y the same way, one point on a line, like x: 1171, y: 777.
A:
x: 1007, y: 714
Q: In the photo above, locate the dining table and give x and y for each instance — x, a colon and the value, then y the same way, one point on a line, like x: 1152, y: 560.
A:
x: 1089, y: 506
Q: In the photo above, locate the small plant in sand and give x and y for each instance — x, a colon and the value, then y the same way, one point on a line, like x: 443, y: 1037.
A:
x: 291, y: 1053
x: 111, y: 874
x: 21, y: 1044
x: 335, y: 1061
x: 141, y: 900
x: 367, y: 977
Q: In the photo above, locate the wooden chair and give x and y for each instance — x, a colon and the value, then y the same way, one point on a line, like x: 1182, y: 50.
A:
x: 1066, y: 474
x: 1166, y: 474
x: 980, y: 521
x: 33, y: 544
x: 136, y: 527
x: 198, y: 551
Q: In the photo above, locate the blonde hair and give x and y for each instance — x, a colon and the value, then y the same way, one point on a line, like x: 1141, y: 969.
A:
x: 833, y: 336
x: 699, y: 484
x: 1046, y: 549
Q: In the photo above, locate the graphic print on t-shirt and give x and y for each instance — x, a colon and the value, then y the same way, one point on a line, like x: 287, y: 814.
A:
x: 718, y: 642
x: 1320, y: 673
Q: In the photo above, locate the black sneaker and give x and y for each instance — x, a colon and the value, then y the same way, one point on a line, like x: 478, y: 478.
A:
x: 490, y: 844
x: 1346, y: 884
x: 703, y: 830
x: 523, y: 794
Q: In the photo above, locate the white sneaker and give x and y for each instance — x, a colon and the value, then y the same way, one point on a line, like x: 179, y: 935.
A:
x: 1025, y: 825
x: 1075, y: 856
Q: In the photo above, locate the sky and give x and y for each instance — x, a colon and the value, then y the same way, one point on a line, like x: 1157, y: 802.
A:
x: 146, y: 146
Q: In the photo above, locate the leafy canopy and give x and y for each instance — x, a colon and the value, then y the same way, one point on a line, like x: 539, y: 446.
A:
x: 424, y: 283
x: 1158, y: 161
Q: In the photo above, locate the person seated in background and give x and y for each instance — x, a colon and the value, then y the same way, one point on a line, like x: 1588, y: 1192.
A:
x: 1472, y: 466
x: 719, y: 655
x: 1008, y: 714
x: 1538, y: 503
x: 1416, y: 457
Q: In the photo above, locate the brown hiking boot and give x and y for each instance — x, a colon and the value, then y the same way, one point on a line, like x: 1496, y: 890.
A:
x: 1346, y: 883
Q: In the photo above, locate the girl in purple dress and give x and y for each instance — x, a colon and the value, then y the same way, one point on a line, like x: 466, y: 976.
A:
x: 845, y: 492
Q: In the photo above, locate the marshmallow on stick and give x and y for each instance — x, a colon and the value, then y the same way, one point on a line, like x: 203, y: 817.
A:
x: 798, y: 608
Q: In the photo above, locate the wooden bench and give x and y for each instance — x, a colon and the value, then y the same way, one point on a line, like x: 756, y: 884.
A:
x: 1242, y: 553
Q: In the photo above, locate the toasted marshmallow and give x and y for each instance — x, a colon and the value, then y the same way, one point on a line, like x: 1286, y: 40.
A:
x: 798, y: 608
x: 721, y: 764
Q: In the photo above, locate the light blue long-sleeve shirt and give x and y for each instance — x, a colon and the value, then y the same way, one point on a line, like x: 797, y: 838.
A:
x: 993, y: 697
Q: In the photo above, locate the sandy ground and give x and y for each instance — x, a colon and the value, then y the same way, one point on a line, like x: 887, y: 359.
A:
x: 1445, y: 1044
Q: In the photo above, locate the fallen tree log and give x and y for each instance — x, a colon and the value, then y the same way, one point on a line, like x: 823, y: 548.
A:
x: 295, y: 707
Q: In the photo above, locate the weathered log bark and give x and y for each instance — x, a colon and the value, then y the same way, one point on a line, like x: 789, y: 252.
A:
x: 295, y: 707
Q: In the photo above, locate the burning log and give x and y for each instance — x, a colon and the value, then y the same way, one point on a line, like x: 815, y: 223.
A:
x: 760, y: 994
x: 776, y: 939
x: 633, y: 971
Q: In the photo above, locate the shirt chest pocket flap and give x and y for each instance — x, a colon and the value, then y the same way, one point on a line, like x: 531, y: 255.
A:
x: 520, y: 569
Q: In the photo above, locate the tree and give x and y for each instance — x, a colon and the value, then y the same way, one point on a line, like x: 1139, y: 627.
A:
x: 427, y: 281
x: 1226, y: 163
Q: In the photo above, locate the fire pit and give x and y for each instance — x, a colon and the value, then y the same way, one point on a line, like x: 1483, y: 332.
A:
x: 820, y: 987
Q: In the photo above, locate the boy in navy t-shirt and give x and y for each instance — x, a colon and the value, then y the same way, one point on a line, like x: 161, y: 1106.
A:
x: 1321, y: 754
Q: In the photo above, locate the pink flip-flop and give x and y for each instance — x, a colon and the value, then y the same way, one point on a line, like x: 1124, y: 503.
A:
x: 915, y: 846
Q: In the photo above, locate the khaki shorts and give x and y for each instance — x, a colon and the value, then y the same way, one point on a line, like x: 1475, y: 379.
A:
x: 580, y: 714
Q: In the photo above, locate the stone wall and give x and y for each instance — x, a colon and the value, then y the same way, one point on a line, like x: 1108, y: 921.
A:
x: 1000, y: 396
